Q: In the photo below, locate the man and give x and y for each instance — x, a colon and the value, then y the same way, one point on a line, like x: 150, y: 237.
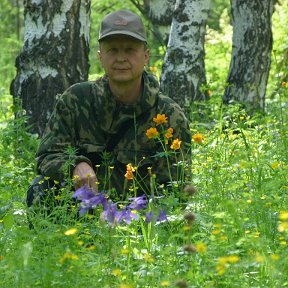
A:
x: 107, y: 121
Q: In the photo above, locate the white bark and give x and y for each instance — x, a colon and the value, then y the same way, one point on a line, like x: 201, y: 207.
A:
x: 251, y: 52
x: 54, y: 55
x: 184, y: 69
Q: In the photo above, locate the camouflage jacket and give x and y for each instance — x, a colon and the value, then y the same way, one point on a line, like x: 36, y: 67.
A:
x: 87, y: 117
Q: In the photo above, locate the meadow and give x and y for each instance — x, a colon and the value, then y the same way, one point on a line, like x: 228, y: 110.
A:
x: 230, y: 229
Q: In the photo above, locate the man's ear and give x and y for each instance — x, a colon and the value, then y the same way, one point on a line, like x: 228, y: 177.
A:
x: 147, y: 56
x: 99, y: 56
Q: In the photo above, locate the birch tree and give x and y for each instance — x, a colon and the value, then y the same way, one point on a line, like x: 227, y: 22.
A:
x: 183, y: 74
x: 160, y: 15
x: 53, y: 57
x: 251, y: 52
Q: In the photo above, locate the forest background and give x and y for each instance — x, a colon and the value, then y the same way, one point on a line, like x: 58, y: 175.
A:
x: 240, y: 232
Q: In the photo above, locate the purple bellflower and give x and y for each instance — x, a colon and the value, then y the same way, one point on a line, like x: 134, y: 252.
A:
x: 89, y: 199
x: 138, y: 203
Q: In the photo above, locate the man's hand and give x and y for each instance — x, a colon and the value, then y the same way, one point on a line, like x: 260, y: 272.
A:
x: 84, y: 174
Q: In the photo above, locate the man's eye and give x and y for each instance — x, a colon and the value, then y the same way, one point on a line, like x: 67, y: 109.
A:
x: 130, y: 50
x: 112, y: 50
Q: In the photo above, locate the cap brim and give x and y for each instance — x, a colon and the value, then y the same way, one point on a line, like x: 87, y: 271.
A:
x: 128, y: 33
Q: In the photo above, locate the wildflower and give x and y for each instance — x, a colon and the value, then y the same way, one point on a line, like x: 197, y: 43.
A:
x: 176, y: 144
x: 283, y: 215
x: 116, y: 272
x: 169, y: 134
x: 197, y: 138
x: 209, y: 92
x: 160, y: 119
x: 275, y: 165
x: 148, y: 258
x: 83, y: 192
x: 201, y: 247
x: 110, y: 213
x: 153, y: 68
x: 164, y: 283
x: 162, y: 216
x: 220, y: 269
x: 283, y: 84
x: 259, y: 258
x: 159, y: 218
x: 68, y: 256
x: 89, y: 199
x: 124, y: 251
x: 129, y: 171
x: 127, y: 215
x: 138, y: 203
x: 274, y: 257
x: 232, y: 259
x: 152, y: 133
x: 70, y: 231
x: 149, y: 216
x: 282, y: 227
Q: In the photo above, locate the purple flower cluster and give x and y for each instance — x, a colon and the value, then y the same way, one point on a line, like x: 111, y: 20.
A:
x: 89, y: 200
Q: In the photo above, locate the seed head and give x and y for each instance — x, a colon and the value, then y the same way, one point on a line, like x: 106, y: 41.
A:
x: 190, y: 217
x: 181, y: 284
x: 189, y: 248
x: 190, y: 189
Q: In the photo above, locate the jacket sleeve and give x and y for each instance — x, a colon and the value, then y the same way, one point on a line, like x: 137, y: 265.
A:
x: 53, y: 158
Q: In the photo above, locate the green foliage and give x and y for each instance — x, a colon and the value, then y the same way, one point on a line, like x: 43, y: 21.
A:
x: 240, y: 234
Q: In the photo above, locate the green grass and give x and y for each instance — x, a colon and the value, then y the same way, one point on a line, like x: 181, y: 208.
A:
x: 240, y: 233
x: 237, y: 240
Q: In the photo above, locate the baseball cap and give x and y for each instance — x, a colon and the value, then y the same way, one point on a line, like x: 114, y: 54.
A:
x: 122, y: 22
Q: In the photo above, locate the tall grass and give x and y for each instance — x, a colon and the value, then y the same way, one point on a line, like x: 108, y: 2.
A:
x: 232, y: 233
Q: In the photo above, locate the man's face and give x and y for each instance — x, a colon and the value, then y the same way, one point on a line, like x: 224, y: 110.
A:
x: 123, y: 58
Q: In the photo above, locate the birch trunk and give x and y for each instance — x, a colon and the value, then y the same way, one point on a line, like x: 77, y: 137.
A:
x: 160, y: 15
x: 251, y: 52
x: 183, y: 74
x: 54, y: 55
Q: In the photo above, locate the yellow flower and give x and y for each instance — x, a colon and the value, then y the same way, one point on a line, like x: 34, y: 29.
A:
x: 148, y: 258
x: 216, y: 231
x: 116, y: 272
x: 129, y: 171
x: 283, y: 84
x: 220, y: 269
x: 160, y: 119
x: 153, y: 68
x: 152, y: 133
x: 275, y: 165
x: 201, y: 247
x: 176, y: 144
x: 164, y: 283
x: 169, y: 133
x: 68, y: 256
x: 124, y: 251
x: 274, y: 257
x: 197, y: 138
x: 233, y: 259
x: 283, y: 215
x: 282, y: 227
x: 259, y: 258
x: 70, y: 231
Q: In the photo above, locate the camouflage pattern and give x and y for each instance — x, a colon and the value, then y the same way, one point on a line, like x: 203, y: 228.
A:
x: 87, y: 115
